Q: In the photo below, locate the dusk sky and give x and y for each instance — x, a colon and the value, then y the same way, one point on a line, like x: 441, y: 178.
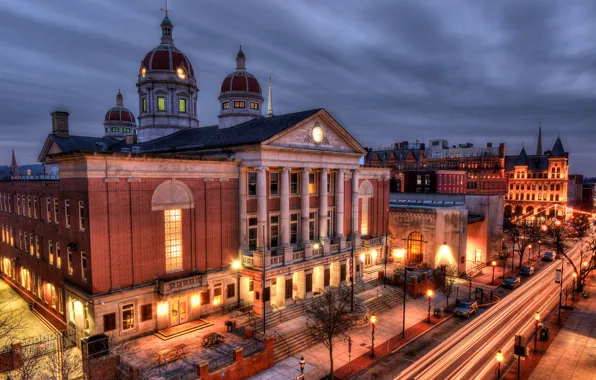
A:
x: 388, y: 70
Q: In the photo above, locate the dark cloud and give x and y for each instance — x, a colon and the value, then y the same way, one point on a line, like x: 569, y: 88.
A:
x: 468, y: 71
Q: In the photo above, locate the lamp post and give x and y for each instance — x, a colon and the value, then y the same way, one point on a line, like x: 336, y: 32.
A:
x: 386, y: 248
x: 403, y: 331
x: 539, y: 243
x: 530, y: 254
x: 499, y: 360
x: 537, y: 319
x: 573, y: 287
x: 236, y: 266
x: 494, y: 264
x: 373, y: 321
x: 302, y: 364
x: 429, y: 293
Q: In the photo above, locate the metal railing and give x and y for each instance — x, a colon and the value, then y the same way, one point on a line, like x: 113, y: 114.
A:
x: 276, y: 335
x: 298, y: 299
x: 278, y: 311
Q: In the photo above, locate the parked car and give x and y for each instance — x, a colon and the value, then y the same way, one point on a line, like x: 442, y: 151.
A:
x: 527, y: 270
x: 466, y: 308
x: 511, y: 282
x: 548, y: 256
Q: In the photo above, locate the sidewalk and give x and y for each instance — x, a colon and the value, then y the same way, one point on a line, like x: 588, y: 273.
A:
x: 572, y: 354
x: 388, y: 328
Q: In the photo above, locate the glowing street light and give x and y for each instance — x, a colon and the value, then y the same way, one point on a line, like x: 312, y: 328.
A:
x: 236, y: 266
x: 499, y: 360
x: 373, y: 321
x: 429, y: 293
x: 537, y: 318
x: 494, y: 264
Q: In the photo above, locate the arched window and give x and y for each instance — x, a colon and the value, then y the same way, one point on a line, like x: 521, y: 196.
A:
x: 365, y: 193
x: 519, y: 210
x: 508, y: 210
x: 415, y: 247
x: 530, y: 210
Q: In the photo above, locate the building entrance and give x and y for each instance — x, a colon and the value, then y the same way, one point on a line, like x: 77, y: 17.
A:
x: 178, y: 311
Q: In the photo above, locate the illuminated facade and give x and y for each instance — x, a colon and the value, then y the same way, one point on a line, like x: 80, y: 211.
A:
x: 537, y: 184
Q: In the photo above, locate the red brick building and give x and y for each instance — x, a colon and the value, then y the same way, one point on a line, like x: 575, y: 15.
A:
x: 130, y: 237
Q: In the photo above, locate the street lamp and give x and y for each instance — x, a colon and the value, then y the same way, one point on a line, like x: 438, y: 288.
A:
x: 539, y: 242
x: 373, y: 321
x: 499, y: 360
x: 530, y: 248
x: 403, y: 331
x: 236, y: 266
x: 302, y: 364
x: 537, y: 318
x: 494, y: 264
x: 429, y: 293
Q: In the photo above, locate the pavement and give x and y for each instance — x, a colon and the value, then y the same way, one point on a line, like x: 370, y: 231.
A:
x: 572, y: 354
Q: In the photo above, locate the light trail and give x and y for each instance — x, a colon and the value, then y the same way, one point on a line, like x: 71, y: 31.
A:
x: 468, y: 352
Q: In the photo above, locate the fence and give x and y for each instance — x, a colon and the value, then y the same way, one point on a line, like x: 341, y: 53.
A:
x: 40, y: 345
x: 221, y: 362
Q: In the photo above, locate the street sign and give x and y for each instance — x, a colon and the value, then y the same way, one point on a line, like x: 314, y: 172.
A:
x: 558, y: 276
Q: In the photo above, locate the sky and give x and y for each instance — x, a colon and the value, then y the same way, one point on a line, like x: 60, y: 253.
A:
x: 387, y: 70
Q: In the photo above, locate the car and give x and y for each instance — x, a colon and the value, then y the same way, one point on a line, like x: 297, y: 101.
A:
x: 548, y: 256
x: 527, y: 270
x: 511, y: 282
x: 466, y: 308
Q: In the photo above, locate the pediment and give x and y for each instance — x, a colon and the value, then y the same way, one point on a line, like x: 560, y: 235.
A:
x: 49, y: 147
x: 303, y: 135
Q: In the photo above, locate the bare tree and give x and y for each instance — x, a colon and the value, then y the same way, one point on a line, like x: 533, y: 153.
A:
x: 558, y: 236
x: 11, y: 319
x: 65, y: 363
x: 31, y: 367
x: 446, y: 278
x: 499, y: 247
x: 523, y: 235
x: 580, y: 226
x: 329, y: 319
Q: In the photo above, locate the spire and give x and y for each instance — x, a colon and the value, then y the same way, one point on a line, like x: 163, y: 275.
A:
x: 270, y: 100
x: 539, y: 146
x: 14, y: 168
x: 166, y: 27
x: 522, y: 159
x: 240, y: 60
x: 119, y: 99
x: 558, y: 148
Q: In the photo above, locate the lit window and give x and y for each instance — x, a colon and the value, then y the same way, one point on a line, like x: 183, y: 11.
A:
x: 217, y: 294
x: 273, y: 183
x: 252, y: 234
x: 37, y: 249
x: 161, y: 103
x: 81, y: 216
x: 69, y: 254
x: 225, y: 105
x: 31, y: 245
x: 58, y: 257
x: 84, y: 266
x: 293, y: 228
x: 126, y: 130
x: 239, y: 104
x: 312, y: 226
x: 50, y: 252
x: 35, y: 207
x: 67, y: 212
x: 115, y: 129
x: 173, y: 238
x: 312, y: 183
x: 143, y: 105
x: 48, y: 210
x: 274, y: 231
x: 18, y: 205
x: 183, y: 105
x: 128, y: 317
x: 254, y: 106
x: 28, y: 206
x: 252, y: 183
x: 364, y: 224
x: 56, y: 211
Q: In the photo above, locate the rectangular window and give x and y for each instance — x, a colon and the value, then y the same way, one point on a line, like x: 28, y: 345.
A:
x: 252, y: 234
x: 37, y: 248
x: 312, y: 226
x: 144, y: 104
x: 231, y: 290
x: 294, y: 228
x: 25, y: 241
x: 173, y: 238
x: 29, y: 213
x: 126, y: 130
x: 115, y: 129
x: 58, y: 257
x: 9, y: 203
x: 251, y: 286
x: 69, y: 254
x: 364, y: 221
x: 18, y: 204
x: 84, y: 266
x: 12, y: 236
x: 56, y: 211
x: 330, y: 223
x: 418, y: 179
x: 60, y: 307
x: 39, y: 284
x: 48, y: 210
x: 146, y: 312
x: 50, y: 252
x: 217, y: 294
x: 128, y: 317
x: 274, y: 183
x: 239, y: 104
x: 225, y: 105
x: 252, y: 183
x: 274, y: 231
x: 81, y: 216
x: 204, y: 298
x: 308, y: 282
x: 35, y: 207
x: 327, y: 277
x: 254, y: 106
x: 20, y: 240
x: 161, y: 103
x: 427, y: 179
x: 330, y: 183
x: 312, y: 183
x: 31, y: 245
x: 182, y: 105
x: 294, y: 183
x: 67, y: 212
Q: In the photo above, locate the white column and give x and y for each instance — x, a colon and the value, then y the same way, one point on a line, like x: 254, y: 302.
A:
x: 284, y: 207
x: 261, y: 206
x: 355, y: 201
x: 323, y: 204
x: 339, y: 203
x: 305, y: 203
x: 243, y: 230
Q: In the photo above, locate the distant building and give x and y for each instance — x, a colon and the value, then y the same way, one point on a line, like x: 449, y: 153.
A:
x: 588, y: 195
x: 417, y: 169
x: 537, y: 183
x: 574, y: 189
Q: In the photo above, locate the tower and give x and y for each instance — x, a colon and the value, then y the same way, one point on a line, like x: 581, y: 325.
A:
x: 539, y: 145
x: 14, y: 168
x: 270, y: 100
x: 119, y: 122
x: 167, y: 88
x: 240, y: 98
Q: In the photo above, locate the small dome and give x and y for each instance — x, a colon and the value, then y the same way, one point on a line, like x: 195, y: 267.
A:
x: 166, y: 57
x: 120, y: 114
x: 241, y: 81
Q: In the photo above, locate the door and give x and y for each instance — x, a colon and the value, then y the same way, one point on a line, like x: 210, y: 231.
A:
x: 178, y: 312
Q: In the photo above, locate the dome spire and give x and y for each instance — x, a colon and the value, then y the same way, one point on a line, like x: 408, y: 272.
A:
x: 240, y: 60
x: 270, y: 100
x: 119, y: 99
x: 166, y: 27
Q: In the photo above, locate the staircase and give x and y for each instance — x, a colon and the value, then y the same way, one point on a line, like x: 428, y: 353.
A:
x: 293, y: 342
x: 384, y: 301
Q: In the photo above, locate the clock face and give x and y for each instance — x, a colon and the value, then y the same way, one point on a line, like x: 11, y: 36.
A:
x: 317, y: 134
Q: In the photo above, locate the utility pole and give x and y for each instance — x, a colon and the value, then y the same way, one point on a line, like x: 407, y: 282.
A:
x: 386, y: 247
x: 263, y: 282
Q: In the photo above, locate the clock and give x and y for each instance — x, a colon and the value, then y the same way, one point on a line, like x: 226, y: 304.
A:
x: 317, y: 134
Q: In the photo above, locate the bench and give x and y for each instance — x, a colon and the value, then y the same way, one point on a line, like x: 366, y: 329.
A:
x: 169, y: 354
x: 212, y: 339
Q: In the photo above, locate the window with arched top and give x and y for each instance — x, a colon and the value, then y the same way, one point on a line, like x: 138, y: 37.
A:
x: 172, y: 197
x: 415, y: 247
x: 365, y: 193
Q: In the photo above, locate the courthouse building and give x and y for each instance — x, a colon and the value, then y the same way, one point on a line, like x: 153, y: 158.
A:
x: 159, y: 221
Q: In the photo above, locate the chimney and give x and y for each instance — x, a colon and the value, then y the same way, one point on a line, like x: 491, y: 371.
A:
x: 60, y: 123
x: 131, y: 139
x: 489, y: 145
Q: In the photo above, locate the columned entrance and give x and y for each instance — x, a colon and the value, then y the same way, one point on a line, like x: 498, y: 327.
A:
x: 178, y: 311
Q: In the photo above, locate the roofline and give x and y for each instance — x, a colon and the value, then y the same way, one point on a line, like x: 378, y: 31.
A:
x: 82, y: 154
